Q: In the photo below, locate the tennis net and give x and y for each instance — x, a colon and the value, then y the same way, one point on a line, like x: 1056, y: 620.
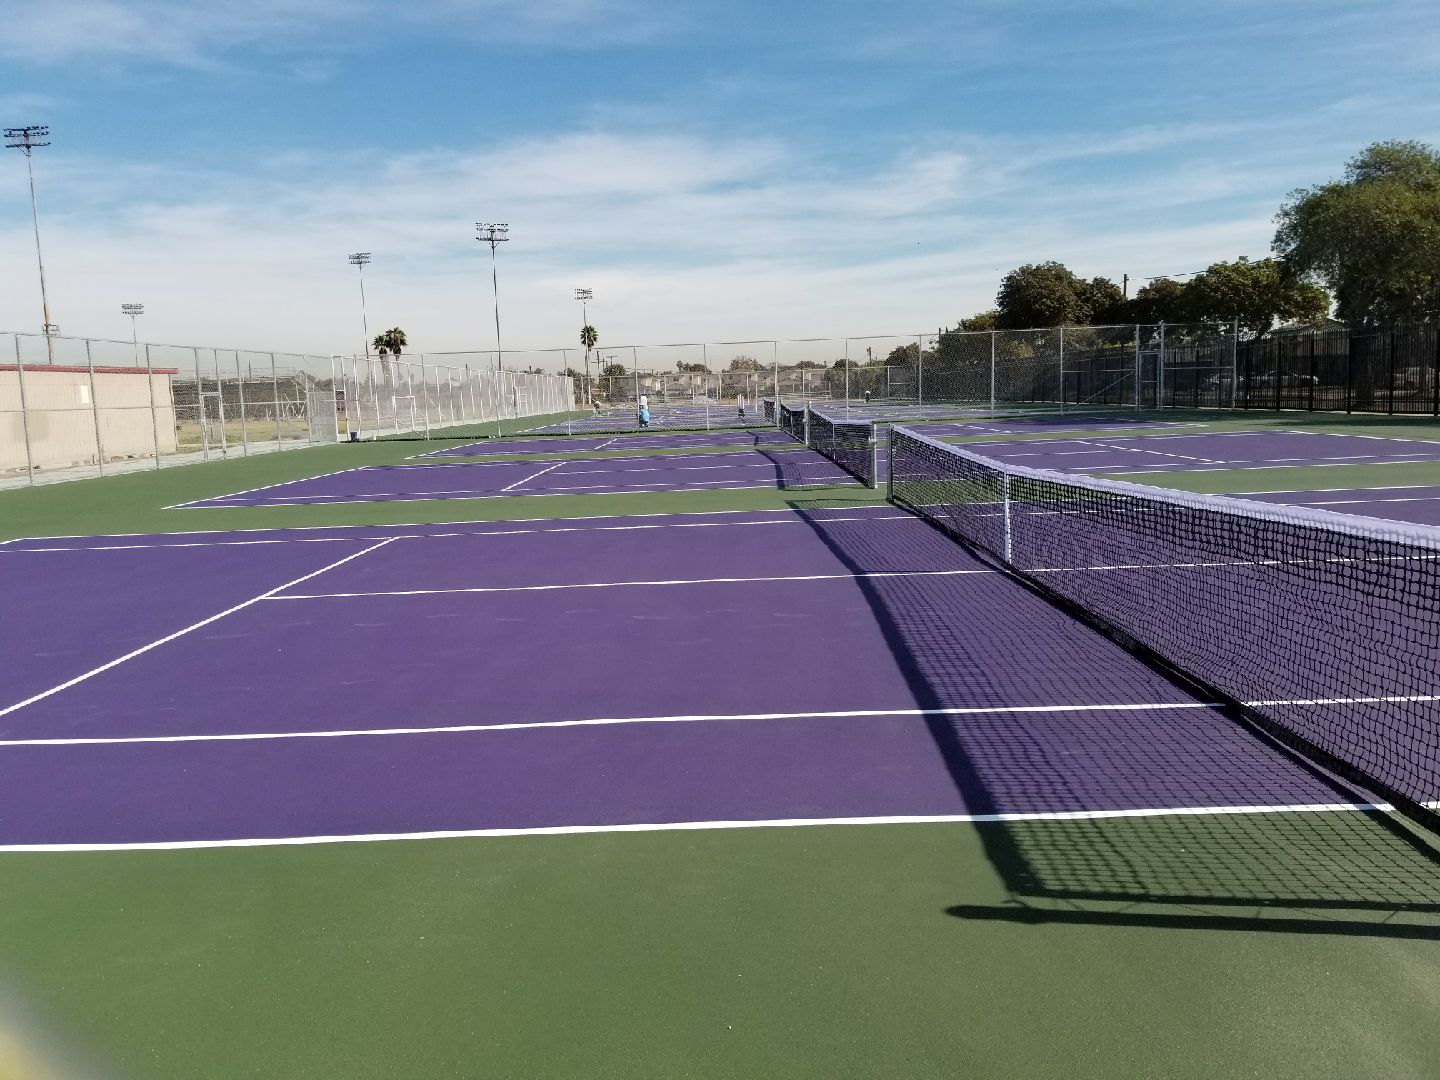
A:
x: 1322, y: 628
x: 851, y: 444
x: 793, y: 420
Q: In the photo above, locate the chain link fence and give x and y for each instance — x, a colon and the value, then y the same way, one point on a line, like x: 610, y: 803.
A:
x: 107, y: 406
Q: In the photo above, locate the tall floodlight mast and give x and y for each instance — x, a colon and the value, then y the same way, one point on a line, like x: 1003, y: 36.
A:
x: 360, y: 260
x: 134, y: 311
x: 27, y: 140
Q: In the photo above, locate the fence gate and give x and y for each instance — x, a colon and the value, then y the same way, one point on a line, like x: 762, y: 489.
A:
x: 324, y: 416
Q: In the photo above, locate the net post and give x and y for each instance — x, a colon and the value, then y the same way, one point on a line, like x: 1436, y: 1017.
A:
x: 807, y: 424
x: 1005, y: 499
x: 874, y: 455
x: 889, y: 465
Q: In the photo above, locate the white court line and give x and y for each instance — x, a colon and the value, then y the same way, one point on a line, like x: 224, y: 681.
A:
x: 840, y: 480
x: 699, y: 718
x: 181, y: 633
x: 542, y: 472
x: 709, y: 826
x: 1254, y: 467
x: 474, y: 532
x: 609, y: 721
x: 633, y: 584
x: 442, y: 524
x: 1159, y: 453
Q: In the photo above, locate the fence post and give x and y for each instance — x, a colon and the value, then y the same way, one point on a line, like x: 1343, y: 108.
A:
x: 847, y: 376
x: 1062, y: 371
x: 1390, y: 378
x: 24, y: 414
x: 154, y: 409
x: 1160, y: 372
x: 244, y: 426
x: 95, y: 409
x: 1137, y: 367
x: 920, y: 370
x: 1435, y: 374
x: 1235, y: 361
x: 1313, y: 377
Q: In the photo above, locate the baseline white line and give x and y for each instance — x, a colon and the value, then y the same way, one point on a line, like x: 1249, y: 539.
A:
x: 607, y: 721
x: 715, y: 826
x: 542, y: 472
x: 472, y: 532
x: 699, y: 718
x: 630, y: 584
x: 422, y: 524
x: 192, y: 627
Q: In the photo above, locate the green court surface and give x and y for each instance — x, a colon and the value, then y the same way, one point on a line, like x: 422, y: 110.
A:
x: 1302, y: 945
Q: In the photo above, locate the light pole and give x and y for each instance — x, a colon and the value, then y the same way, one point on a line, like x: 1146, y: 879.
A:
x: 493, y: 234
x: 134, y: 311
x: 27, y: 140
x: 585, y: 296
x: 360, y: 260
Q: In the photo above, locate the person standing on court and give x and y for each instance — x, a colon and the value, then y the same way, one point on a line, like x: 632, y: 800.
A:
x: 644, y: 404
x: 740, y: 402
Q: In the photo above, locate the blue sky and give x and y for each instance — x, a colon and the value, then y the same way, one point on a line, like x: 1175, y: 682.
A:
x: 714, y: 171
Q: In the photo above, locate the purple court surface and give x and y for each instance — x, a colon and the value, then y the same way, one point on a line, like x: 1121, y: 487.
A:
x: 663, y: 671
x: 1417, y: 503
x: 561, y: 445
x: 1208, y: 452
x: 783, y: 467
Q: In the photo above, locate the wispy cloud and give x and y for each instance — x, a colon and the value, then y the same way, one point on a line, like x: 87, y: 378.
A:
x: 190, y: 34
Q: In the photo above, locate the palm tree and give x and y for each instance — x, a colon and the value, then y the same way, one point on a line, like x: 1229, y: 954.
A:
x: 391, y: 343
x: 588, y: 337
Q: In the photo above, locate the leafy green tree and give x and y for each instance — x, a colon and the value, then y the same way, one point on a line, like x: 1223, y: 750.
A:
x: 612, y: 371
x: 743, y: 363
x: 903, y: 355
x: 1040, y: 294
x: 1105, y: 302
x: 392, y: 341
x: 1372, y: 238
x: 1049, y: 294
x: 1255, y: 293
x: 690, y: 369
x: 1163, y: 300
x: 588, y: 337
x: 804, y: 365
x: 984, y: 321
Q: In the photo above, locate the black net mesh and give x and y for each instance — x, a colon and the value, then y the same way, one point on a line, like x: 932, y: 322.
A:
x: 1324, y: 627
x: 848, y: 443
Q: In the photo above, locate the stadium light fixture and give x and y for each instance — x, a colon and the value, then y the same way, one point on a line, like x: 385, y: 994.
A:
x: 360, y: 260
x: 134, y: 311
x: 27, y: 140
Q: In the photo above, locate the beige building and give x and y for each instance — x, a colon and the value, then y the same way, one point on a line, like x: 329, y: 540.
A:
x: 72, y: 416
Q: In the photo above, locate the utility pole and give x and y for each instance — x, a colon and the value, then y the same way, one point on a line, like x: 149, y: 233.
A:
x: 27, y: 140
x: 360, y: 260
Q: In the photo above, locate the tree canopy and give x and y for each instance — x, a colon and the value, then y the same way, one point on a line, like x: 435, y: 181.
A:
x: 1372, y: 238
x: 743, y: 363
x: 1255, y: 293
x: 612, y: 371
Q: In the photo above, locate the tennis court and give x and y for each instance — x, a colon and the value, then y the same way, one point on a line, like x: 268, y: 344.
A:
x: 105, y: 744
x: 779, y: 782
x: 783, y: 467
x: 559, y: 444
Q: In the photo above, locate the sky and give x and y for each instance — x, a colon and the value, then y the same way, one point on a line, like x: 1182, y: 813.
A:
x: 713, y: 171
